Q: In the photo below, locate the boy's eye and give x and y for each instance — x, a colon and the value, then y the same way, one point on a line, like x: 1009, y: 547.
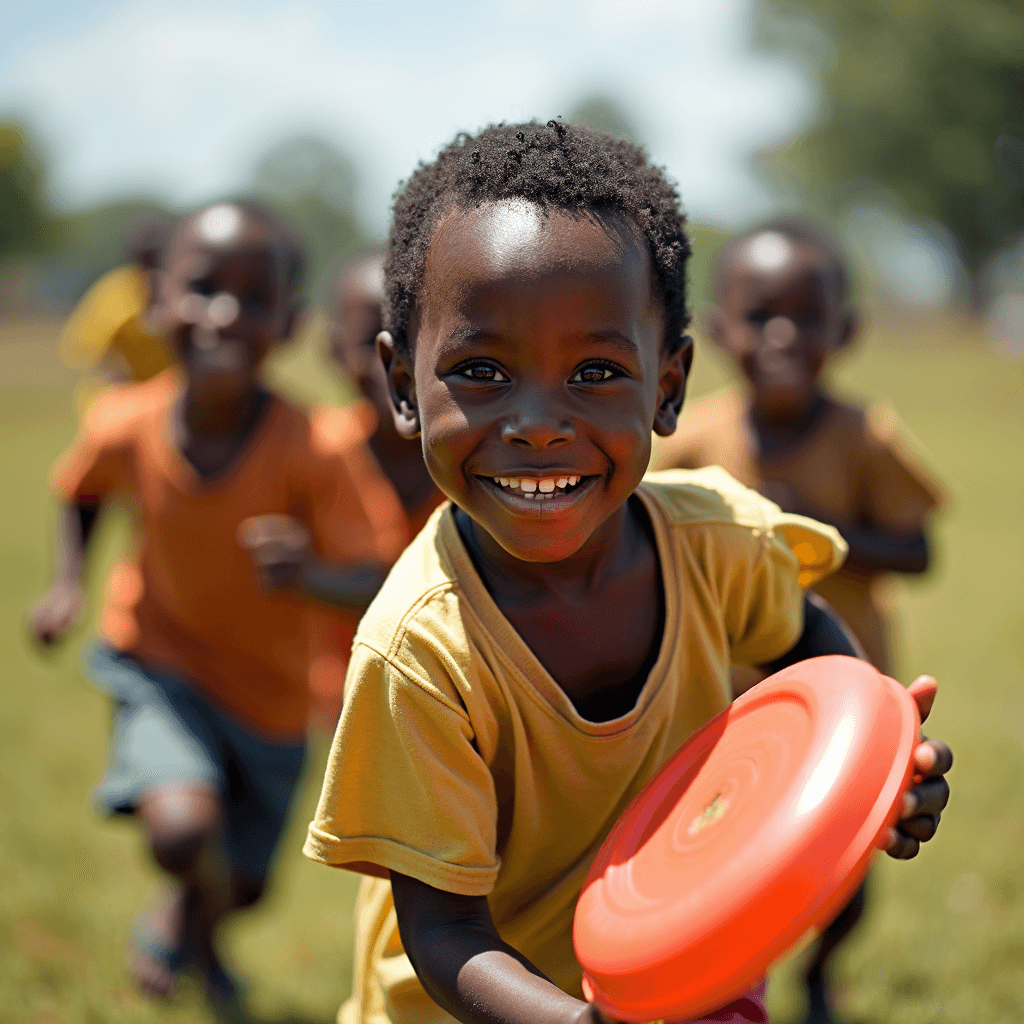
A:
x: 592, y: 374
x: 256, y: 301
x: 203, y: 286
x: 484, y: 372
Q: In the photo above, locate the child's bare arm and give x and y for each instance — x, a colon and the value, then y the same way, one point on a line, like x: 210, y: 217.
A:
x: 60, y: 609
x: 466, y: 967
x: 873, y: 547
x: 280, y: 548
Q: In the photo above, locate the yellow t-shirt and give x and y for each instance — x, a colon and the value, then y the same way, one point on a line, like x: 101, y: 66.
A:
x: 460, y: 761
x: 108, y: 323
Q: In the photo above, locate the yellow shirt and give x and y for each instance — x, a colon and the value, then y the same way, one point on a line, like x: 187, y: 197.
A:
x: 460, y: 761
x: 109, y: 322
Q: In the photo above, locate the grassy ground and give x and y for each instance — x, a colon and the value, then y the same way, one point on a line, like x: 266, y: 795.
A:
x: 944, y: 937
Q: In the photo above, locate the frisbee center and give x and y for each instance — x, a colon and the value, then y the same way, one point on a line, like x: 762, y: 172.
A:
x: 712, y: 812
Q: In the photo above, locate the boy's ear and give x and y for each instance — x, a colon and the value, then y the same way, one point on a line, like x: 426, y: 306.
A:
x: 158, y: 315
x: 852, y: 324
x: 401, y: 386
x: 296, y: 309
x: 675, y: 368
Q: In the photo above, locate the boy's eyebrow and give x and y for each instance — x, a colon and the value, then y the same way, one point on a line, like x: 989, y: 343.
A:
x: 467, y: 335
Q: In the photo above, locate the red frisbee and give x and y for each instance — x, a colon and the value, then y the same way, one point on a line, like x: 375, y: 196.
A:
x: 757, y: 831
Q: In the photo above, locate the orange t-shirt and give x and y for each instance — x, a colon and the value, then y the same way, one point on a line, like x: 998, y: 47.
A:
x: 857, y: 466
x: 190, y: 599
x: 335, y: 629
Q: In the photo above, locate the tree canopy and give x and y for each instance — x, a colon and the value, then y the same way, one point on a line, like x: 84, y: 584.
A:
x: 24, y: 219
x: 924, y: 99
x: 313, y: 184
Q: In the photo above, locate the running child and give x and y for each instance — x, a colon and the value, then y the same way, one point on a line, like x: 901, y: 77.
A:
x: 358, y: 296
x: 110, y: 336
x: 558, y: 630
x: 782, y: 311
x: 206, y: 663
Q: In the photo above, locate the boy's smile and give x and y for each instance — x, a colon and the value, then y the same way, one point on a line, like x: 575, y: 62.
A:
x: 539, y: 369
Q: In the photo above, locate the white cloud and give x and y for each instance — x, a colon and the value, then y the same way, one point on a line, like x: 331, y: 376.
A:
x: 180, y: 97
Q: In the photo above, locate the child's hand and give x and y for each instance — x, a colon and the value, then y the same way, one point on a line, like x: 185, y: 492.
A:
x: 56, y: 613
x: 923, y: 803
x: 279, y: 546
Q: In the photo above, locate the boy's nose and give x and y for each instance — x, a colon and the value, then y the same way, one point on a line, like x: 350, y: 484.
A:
x: 780, y: 332
x: 538, y: 426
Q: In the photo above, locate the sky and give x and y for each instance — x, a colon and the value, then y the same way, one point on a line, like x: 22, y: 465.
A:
x: 178, y: 99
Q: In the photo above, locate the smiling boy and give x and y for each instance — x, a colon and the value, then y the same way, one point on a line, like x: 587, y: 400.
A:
x: 554, y: 634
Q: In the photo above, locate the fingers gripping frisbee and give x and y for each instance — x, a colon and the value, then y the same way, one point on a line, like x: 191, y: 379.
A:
x: 756, y: 832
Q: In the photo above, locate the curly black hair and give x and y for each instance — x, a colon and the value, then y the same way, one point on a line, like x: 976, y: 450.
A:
x: 557, y: 165
x: 801, y: 231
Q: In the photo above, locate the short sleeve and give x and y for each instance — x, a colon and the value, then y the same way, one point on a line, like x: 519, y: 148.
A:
x: 406, y: 789
x: 900, y: 493
x: 764, y: 581
x: 99, y: 461
x: 354, y: 512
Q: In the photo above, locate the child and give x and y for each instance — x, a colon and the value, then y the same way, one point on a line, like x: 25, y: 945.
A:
x: 110, y: 335
x: 207, y: 667
x: 782, y: 311
x: 353, y: 348
x: 553, y: 635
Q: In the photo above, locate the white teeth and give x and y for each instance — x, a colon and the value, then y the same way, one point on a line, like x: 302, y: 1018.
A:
x: 528, y: 486
x: 574, y: 480
x: 547, y: 486
x: 562, y: 481
x: 502, y: 480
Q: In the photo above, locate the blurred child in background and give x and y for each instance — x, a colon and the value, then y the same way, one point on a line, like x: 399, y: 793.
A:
x: 110, y: 336
x: 782, y: 310
x: 359, y: 293
x: 205, y: 646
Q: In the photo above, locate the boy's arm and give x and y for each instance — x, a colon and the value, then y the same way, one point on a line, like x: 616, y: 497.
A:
x: 280, y: 548
x: 467, y: 969
x: 872, y: 548
x: 823, y: 634
x: 60, y: 609
x: 877, y: 550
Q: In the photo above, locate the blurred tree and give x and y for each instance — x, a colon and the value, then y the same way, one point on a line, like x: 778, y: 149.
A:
x: 604, y: 114
x: 25, y: 223
x: 313, y: 184
x: 925, y: 99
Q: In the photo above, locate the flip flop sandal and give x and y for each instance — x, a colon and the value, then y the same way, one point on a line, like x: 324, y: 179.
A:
x: 144, y: 942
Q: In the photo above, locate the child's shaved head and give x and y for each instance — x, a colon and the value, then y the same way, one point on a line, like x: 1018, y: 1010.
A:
x: 768, y: 247
x: 230, y: 224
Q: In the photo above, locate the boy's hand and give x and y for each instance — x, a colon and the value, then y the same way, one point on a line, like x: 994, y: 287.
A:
x: 279, y: 546
x: 923, y: 803
x: 56, y: 613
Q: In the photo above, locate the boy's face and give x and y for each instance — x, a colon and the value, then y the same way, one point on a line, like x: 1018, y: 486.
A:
x: 538, y: 372
x: 357, y: 322
x: 780, y: 318
x: 224, y: 299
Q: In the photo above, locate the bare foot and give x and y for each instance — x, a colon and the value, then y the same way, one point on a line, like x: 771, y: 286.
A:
x: 157, y: 953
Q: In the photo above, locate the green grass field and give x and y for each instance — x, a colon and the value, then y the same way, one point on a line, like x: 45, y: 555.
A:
x: 943, y: 940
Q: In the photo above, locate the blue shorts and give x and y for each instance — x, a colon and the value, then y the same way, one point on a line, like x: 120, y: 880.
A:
x: 165, y: 732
